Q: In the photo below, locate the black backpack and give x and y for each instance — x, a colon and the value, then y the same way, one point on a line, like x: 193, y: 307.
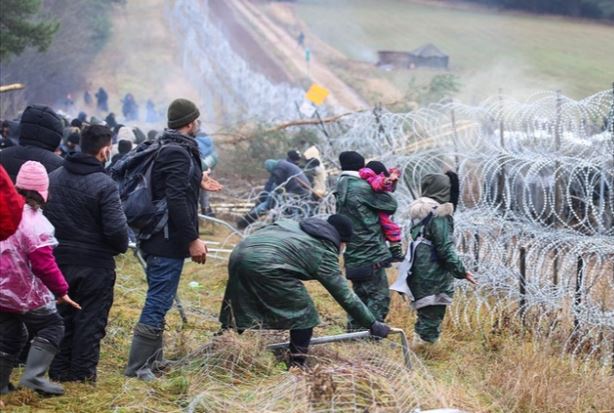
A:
x: 133, y: 176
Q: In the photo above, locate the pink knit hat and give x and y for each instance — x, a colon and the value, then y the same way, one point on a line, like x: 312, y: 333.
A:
x: 33, y: 176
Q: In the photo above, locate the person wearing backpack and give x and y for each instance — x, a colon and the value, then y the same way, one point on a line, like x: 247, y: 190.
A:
x: 176, y: 177
x: 85, y: 209
x: 435, y: 261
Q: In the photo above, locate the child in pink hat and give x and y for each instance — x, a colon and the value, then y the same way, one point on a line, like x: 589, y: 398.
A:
x: 30, y: 278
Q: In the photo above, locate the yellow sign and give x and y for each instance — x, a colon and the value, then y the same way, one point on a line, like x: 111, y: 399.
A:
x: 316, y: 94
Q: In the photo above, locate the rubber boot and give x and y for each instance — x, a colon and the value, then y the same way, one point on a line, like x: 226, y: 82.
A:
x: 40, y: 356
x: 299, y: 346
x: 160, y: 364
x: 247, y: 219
x: 146, y: 347
x: 7, y: 363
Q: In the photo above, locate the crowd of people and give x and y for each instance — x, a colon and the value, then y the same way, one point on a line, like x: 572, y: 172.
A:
x: 70, y: 206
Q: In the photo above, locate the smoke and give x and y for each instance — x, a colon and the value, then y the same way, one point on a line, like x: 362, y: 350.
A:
x: 512, y: 77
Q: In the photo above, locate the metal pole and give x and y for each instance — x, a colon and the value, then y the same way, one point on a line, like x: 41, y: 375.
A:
x: 476, y: 252
x: 455, y: 138
x: 522, y: 284
x: 359, y: 335
x: 557, y: 183
x: 578, y: 292
x: 500, y: 197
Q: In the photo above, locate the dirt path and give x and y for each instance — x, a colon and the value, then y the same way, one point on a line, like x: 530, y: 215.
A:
x: 342, y: 95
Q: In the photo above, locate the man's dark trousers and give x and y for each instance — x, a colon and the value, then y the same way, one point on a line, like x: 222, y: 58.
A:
x: 79, y: 352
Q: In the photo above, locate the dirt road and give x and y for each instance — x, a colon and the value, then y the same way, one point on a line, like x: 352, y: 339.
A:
x: 342, y: 95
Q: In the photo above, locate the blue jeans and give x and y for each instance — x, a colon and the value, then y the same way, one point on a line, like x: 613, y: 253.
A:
x: 162, y: 279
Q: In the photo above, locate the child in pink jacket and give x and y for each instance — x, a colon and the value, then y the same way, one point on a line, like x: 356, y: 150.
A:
x: 384, y: 180
x: 30, y: 281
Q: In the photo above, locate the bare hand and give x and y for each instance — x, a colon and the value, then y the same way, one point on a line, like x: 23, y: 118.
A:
x: 198, y: 251
x: 65, y: 299
x: 469, y: 277
x: 210, y: 184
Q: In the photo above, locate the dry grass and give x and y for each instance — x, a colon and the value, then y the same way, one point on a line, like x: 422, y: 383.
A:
x: 478, y: 369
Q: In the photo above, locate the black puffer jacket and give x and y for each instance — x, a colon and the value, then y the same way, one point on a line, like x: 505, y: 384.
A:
x: 12, y: 158
x: 171, y: 179
x: 85, y: 209
x: 41, y: 131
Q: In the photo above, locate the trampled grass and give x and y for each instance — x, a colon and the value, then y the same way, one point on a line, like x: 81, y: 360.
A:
x: 488, y: 49
x: 477, y: 369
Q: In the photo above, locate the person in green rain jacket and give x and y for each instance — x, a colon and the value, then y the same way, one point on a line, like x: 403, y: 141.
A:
x: 367, y: 254
x: 266, y: 271
x: 434, y: 266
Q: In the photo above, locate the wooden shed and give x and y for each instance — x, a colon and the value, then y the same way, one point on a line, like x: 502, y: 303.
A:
x: 425, y: 56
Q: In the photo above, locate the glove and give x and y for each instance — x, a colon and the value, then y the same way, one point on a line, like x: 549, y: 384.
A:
x: 396, y: 249
x: 380, y: 330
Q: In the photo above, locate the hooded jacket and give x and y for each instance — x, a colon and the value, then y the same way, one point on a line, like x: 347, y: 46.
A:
x: 85, y: 209
x: 266, y: 271
x: 11, y: 206
x: 436, y: 266
x: 356, y: 200
x: 316, y: 173
x: 41, y: 132
x: 29, y: 273
x: 208, y: 154
x: 290, y: 177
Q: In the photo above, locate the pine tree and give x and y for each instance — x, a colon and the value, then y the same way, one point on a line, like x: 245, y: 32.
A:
x: 20, y: 28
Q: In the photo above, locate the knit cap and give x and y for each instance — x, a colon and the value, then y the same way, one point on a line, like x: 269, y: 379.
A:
x: 351, y: 161
x: 343, y: 225
x: 181, y: 112
x: 33, y: 176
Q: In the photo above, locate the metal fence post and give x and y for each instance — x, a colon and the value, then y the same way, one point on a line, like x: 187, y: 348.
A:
x: 522, y: 282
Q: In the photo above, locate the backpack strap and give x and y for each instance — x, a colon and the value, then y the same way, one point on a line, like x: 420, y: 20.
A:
x: 422, y: 224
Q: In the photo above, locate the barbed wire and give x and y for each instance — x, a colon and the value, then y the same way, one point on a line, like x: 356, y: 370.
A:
x: 537, y: 185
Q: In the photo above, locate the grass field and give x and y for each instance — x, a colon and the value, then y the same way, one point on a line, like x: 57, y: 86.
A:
x: 478, y: 370
x: 488, y: 50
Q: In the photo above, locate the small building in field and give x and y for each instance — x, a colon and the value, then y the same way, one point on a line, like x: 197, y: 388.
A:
x: 425, y: 56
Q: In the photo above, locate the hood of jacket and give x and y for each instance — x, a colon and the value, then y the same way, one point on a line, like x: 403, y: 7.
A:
x: 205, y: 145
x: 82, y: 164
x: 40, y: 126
x: 318, y: 228
x: 189, y: 143
x: 437, y: 187
x: 421, y: 207
x: 126, y: 134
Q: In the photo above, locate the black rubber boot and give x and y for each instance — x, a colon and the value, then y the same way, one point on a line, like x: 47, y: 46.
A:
x: 7, y: 363
x: 40, y: 356
x: 299, y: 346
x: 145, y: 351
x: 247, y: 220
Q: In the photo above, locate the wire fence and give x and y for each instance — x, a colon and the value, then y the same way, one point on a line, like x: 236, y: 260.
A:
x: 536, y: 214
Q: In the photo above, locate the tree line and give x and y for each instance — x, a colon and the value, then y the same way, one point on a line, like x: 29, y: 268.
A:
x: 593, y: 9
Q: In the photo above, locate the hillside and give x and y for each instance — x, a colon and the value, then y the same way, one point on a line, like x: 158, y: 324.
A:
x: 489, y: 50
